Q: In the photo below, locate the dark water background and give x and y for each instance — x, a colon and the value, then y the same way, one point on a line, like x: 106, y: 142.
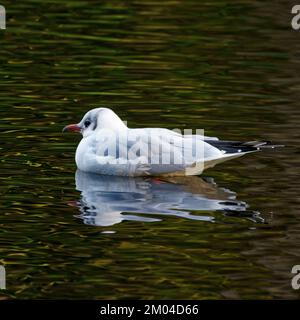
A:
x: 231, y: 67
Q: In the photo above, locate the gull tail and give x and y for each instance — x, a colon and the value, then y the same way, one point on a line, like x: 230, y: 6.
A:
x: 230, y: 150
x: 242, y: 147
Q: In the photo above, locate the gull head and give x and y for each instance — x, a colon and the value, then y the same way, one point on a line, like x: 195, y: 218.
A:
x: 96, y: 119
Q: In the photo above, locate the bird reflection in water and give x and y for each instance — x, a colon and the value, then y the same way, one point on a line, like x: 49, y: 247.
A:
x: 109, y: 200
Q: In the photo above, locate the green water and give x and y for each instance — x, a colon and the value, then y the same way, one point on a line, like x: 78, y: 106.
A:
x: 231, y: 67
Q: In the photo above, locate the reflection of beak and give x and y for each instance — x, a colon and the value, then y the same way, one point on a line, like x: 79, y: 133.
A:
x: 71, y: 128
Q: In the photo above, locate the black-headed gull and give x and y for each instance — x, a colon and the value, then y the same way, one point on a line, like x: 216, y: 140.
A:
x: 109, y: 147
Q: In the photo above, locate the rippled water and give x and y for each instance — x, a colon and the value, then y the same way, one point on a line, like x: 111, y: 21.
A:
x: 231, y: 67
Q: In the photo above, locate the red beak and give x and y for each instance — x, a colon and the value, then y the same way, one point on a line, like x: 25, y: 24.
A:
x: 72, y: 128
x: 72, y: 203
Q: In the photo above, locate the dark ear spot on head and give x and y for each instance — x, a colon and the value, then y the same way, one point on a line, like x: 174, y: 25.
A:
x: 95, y: 124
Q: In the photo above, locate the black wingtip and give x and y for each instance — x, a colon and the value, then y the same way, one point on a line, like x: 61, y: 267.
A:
x: 240, y: 146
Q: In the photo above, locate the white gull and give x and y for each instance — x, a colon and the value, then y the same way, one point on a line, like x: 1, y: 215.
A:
x: 109, y: 147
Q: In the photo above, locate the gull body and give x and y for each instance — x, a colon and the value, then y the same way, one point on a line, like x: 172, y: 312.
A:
x: 109, y: 147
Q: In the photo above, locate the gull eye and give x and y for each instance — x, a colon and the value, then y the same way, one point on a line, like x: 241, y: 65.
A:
x: 87, y: 123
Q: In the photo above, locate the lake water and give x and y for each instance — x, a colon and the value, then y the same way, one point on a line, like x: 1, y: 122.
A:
x: 230, y: 67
